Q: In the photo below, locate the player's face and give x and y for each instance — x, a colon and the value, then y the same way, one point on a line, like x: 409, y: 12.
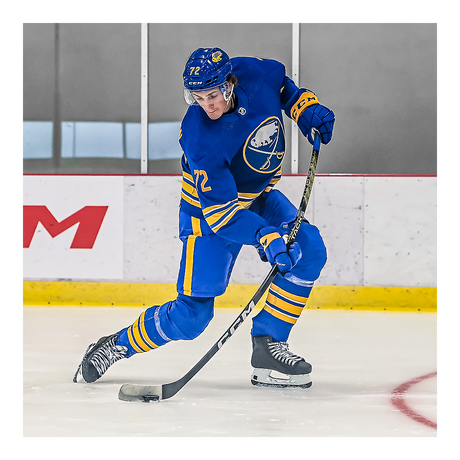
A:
x: 212, y: 102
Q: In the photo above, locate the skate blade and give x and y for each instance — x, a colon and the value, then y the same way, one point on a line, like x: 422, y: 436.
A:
x: 264, y: 378
x: 78, y: 377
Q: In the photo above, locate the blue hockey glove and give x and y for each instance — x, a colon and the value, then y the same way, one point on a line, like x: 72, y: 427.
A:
x: 304, y: 108
x: 276, y: 250
x: 307, y: 112
x: 319, y: 117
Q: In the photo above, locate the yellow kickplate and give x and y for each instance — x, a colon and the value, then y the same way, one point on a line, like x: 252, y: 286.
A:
x: 63, y: 293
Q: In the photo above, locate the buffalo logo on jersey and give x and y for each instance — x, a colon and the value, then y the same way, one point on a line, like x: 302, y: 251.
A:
x: 264, y: 148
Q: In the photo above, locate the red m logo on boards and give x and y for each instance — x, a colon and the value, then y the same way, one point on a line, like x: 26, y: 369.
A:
x: 90, y: 219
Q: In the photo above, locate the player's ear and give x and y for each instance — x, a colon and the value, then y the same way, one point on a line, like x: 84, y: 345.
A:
x: 233, y: 79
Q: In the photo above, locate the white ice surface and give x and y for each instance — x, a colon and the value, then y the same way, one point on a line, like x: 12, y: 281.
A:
x: 358, y: 358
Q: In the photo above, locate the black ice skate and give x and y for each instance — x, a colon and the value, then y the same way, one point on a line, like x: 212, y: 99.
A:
x: 98, y: 358
x: 268, y: 356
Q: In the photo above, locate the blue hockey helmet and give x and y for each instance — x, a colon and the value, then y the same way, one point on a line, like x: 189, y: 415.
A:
x: 206, y: 68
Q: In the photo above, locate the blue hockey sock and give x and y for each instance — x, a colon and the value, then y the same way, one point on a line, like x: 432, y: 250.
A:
x: 144, y: 334
x: 284, y: 304
x: 181, y: 319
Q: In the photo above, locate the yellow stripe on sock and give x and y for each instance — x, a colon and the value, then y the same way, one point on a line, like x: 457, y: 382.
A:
x: 288, y: 295
x: 279, y: 315
x: 144, y: 332
x: 132, y: 341
x: 286, y: 306
x: 137, y: 336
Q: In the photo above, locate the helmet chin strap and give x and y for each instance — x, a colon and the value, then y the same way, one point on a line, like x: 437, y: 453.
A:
x: 227, y: 96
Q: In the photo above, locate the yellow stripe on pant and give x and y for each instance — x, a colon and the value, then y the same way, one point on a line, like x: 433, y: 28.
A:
x: 196, y: 228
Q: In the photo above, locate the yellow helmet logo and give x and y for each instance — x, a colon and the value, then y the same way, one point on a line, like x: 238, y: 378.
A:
x: 217, y: 56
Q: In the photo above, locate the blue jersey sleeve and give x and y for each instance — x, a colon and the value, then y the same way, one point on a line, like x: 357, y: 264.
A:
x: 295, y: 100
x: 218, y: 196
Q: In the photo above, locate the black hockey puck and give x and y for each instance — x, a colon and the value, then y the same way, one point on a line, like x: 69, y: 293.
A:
x: 150, y: 398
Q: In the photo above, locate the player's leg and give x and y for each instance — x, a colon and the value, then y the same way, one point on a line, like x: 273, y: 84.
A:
x: 206, y: 265
x: 183, y: 318
x: 289, y: 292
x: 286, y: 299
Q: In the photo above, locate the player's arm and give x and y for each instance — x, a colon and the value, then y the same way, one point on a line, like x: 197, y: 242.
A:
x: 302, y: 106
x: 229, y: 219
x: 218, y: 196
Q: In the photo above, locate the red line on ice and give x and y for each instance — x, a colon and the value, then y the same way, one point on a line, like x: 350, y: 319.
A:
x: 397, y: 399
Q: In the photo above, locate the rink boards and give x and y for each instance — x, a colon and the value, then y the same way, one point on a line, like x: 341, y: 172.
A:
x: 113, y: 240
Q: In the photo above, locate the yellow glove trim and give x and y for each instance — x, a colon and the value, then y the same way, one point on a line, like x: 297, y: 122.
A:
x: 305, y: 100
x: 267, y: 239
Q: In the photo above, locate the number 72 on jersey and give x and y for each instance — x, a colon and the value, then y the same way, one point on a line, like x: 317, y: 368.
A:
x: 198, y: 173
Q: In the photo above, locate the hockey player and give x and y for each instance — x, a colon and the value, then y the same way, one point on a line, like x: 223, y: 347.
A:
x: 233, y: 141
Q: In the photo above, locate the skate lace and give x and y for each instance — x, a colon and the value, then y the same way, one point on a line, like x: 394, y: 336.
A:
x: 280, y: 351
x: 107, y: 354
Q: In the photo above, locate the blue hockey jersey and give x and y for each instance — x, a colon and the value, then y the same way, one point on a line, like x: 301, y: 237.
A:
x: 228, y: 162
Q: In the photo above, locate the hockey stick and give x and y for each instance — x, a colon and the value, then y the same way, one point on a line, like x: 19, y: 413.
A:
x: 147, y: 393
